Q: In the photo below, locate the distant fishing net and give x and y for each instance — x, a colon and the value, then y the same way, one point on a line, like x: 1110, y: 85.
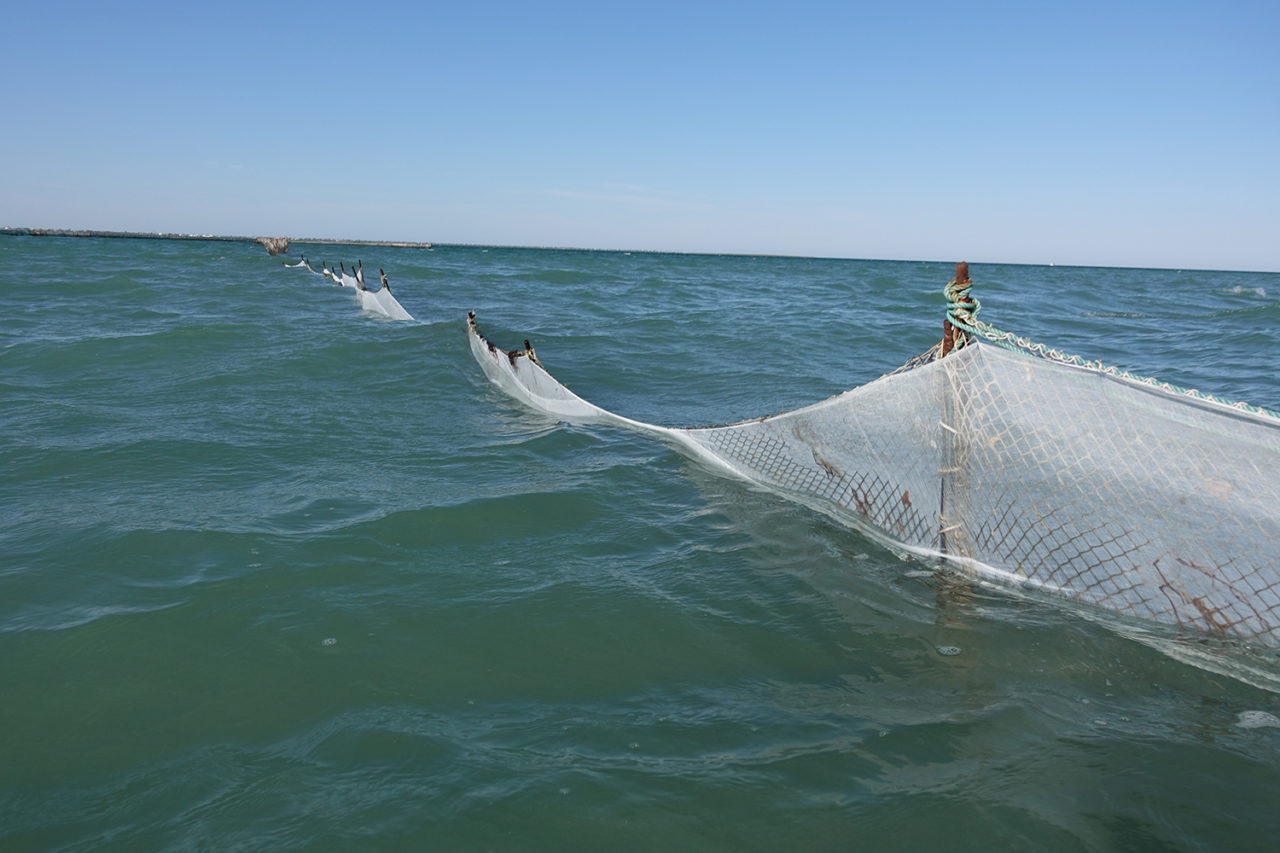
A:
x: 378, y: 301
x: 1022, y: 465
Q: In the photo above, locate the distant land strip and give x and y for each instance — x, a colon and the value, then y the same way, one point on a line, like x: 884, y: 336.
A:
x: 163, y: 235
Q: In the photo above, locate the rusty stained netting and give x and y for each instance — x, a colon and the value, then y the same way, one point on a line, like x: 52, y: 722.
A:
x: 1053, y: 475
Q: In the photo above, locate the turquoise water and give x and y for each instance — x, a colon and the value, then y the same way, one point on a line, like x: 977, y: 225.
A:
x: 276, y: 574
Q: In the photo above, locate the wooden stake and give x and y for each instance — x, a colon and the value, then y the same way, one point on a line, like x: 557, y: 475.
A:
x: 949, y: 332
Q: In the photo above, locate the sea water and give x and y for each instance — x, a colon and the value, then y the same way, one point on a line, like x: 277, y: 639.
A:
x: 279, y: 574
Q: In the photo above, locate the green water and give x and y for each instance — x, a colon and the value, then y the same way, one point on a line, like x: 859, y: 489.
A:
x: 276, y: 574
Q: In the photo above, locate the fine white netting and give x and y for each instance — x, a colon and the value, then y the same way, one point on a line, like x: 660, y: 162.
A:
x: 1065, y: 478
x: 378, y: 301
x: 382, y: 302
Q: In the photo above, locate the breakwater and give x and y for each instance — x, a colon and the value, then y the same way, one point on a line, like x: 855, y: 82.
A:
x: 273, y: 245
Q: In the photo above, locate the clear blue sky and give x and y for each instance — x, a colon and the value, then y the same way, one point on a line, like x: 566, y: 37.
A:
x: 1110, y: 133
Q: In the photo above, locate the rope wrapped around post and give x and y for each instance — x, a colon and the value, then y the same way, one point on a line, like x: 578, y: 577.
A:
x: 962, y: 311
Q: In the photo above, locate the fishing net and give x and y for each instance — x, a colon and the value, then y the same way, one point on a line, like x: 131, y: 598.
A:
x: 378, y: 301
x: 1027, y: 467
x: 382, y: 302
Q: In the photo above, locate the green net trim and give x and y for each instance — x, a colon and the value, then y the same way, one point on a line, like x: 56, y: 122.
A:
x: 962, y: 311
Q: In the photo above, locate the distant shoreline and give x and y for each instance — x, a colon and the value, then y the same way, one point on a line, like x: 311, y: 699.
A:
x: 165, y: 235
x: 283, y: 244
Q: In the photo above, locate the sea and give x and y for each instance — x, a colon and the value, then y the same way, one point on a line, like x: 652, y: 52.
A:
x: 280, y: 574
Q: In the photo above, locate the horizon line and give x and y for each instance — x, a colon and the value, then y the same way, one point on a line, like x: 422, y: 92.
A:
x: 424, y: 244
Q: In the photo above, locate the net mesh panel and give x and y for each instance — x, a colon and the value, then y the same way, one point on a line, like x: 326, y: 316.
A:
x: 382, y: 302
x: 379, y: 301
x: 1147, y: 503
x: 522, y: 378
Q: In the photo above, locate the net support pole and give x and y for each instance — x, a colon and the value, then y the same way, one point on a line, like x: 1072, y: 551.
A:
x: 950, y: 332
x: 949, y: 478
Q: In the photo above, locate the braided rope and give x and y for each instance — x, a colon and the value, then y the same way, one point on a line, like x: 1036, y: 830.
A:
x: 962, y: 311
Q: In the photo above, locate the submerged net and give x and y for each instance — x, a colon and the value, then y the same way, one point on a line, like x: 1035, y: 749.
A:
x: 1028, y: 467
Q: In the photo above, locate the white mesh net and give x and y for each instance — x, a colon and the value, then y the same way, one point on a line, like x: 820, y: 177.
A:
x: 378, y: 301
x: 1065, y: 478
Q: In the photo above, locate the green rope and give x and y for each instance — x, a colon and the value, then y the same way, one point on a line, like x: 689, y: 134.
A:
x: 962, y: 311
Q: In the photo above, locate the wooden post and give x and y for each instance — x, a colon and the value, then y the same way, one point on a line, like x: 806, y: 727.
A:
x: 949, y: 332
x: 952, y: 478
